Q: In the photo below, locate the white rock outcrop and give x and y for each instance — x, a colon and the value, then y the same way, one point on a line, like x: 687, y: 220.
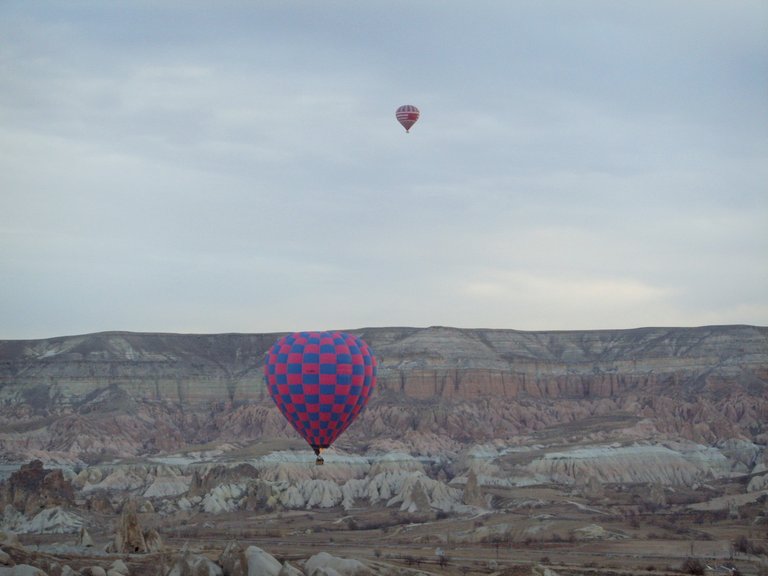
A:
x: 420, y: 493
x: 324, y: 563
x: 670, y: 464
x: 223, y: 498
x: 312, y: 494
x: 120, y: 480
x: 21, y: 570
x: 53, y: 521
x: 288, y: 570
x: 194, y: 564
x: 167, y: 482
x: 596, y: 532
x: 84, y: 538
x: 758, y: 483
x: 261, y: 563
x: 118, y: 568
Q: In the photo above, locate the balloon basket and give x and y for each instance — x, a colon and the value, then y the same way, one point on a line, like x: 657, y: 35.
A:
x: 319, y: 461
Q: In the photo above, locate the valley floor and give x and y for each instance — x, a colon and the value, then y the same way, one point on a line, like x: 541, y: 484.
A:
x: 391, y: 545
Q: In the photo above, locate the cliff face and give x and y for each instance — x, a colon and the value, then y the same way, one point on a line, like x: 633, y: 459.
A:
x: 438, y: 388
x: 181, y: 368
x: 428, y: 363
x: 464, y: 364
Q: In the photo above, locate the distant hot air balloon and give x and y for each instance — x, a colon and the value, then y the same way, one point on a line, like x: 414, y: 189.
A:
x: 407, y: 116
x: 320, y: 381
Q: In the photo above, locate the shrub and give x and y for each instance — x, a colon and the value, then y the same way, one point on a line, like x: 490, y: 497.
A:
x: 693, y: 566
x: 746, y: 546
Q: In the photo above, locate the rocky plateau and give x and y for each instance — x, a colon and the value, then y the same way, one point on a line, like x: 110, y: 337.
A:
x: 440, y: 390
x: 463, y: 424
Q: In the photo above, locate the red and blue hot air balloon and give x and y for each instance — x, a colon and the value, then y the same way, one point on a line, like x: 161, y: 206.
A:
x: 320, y: 381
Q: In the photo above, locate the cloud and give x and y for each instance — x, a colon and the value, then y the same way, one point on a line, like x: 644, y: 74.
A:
x: 178, y: 168
x: 568, y: 297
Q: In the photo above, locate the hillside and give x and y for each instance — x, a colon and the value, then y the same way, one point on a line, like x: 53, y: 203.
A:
x: 440, y: 389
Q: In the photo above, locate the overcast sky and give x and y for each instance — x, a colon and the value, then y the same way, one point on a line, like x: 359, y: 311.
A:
x: 236, y: 166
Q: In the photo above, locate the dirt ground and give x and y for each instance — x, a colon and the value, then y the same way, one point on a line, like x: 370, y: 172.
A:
x: 569, y: 537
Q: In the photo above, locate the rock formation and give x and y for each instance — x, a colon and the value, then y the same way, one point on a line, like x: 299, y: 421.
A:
x: 118, y: 568
x: 153, y: 541
x: 129, y: 537
x: 233, y: 560
x: 83, y: 399
x: 261, y: 562
x: 473, y: 494
x: 32, y: 488
x: 196, y: 564
x: 341, y: 566
x: 84, y: 538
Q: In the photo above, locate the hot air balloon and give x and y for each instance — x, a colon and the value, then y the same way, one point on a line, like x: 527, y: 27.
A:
x: 407, y: 116
x: 320, y: 381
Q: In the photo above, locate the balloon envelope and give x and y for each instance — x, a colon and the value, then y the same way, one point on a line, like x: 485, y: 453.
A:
x: 407, y: 116
x: 320, y: 381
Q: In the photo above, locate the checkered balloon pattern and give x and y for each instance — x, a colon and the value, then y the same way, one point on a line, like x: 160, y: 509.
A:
x: 320, y: 381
